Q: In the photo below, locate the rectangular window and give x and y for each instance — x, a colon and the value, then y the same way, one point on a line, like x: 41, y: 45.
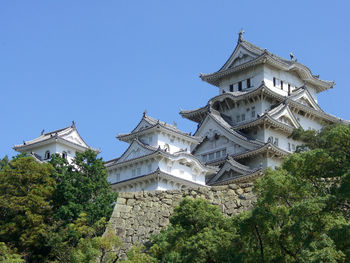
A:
x: 253, y: 112
x: 139, y: 171
x: 238, y: 118
x: 288, y: 88
x: 133, y: 172
x: 231, y: 87
x: 289, y: 149
x: 281, y: 85
x: 274, y: 82
x: 240, y: 86
x: 243, y: 117
x: 248, y: 109
x: 248, y: 83
x: 293, y: 147
x: 223, y: 152
x: 117, y: 177
x: 204, y: 157
x: 276, y: 142
x: 149, y: 167
x: 211, y: 156
x: 217, y: 155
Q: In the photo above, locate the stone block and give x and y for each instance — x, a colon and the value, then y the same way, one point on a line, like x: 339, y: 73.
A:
x: 233, y: 186
x: 239, y: 191
x: 167, y: 201
x: 219, y: 188
x: 138, y: 195
x: 130, y: 202
x: 127, y: 195
x: 121, y: 201
x: 248, y: 189
x: 163, y: 222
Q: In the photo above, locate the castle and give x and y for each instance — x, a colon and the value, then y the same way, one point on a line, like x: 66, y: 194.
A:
x: 241, y: 131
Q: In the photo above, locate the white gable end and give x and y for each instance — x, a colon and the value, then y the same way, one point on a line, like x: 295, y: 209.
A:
x: 75, y: 138
x: 134, y: 151
x: 240, y: 56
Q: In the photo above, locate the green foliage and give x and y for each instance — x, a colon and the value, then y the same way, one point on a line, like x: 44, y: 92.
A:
x: 91, y: 245
x: 82, y: 187
x: 8, y: 256
x: 4, y: 162
x: 302, y: 212
x: 138, y: 254
x: 25, y: 209
x: 198, y: 233
x: 51, y: 212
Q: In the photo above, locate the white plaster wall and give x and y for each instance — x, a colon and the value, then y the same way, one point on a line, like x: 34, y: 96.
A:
x: 126, y: 172
x: 42, y: 149
x: 212, y: 147
x: 175, y: 144
x: 287, y: 77
x: 69, y: 150
x: 273, y: 163
x: 257, y: 134
x: 256, y: 162
x: 245, y: 109
x: 307, y: 123
x: 283, y: 140
x: 182, y: 171
x: 255, y: 75
x: 161, y: 139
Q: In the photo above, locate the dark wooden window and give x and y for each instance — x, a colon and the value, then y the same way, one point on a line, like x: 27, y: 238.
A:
x: 248, y: 83
x: 240, y: 86
x: 281, y: 85
x: 47, y: 155
x: 274, y: 82
x: 231, y: 87
x: 288, y: 89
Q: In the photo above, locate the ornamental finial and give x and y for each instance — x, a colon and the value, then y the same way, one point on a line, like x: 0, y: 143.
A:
x: 240, y: 35
x: 144, y: 113
x: 73, y: 124
x: 42, y: 132
x: 292, y: 57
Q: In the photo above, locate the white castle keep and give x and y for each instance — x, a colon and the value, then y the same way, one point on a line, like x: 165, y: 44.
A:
x: 241, y: 131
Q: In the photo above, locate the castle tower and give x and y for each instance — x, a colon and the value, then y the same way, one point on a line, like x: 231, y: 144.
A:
x: 65, y: 142
x: 158, y: 158
x: 262, y: 98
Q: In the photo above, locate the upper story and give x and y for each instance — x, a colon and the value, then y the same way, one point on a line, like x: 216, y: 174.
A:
x: 161, y: 135
x: 65, y: 142
x: 249, y: 66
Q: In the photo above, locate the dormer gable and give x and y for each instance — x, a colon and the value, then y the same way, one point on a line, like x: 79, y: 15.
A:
x: 305, y: 98
x: 135, y: 150
x: 239, y: 56
x: 284, y: 114
x: 74, y: 137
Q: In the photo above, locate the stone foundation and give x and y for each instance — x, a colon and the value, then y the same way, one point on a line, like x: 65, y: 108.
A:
x: 138, y: 215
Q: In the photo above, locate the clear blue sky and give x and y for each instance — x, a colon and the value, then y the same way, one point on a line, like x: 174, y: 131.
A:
x: 102, y: 63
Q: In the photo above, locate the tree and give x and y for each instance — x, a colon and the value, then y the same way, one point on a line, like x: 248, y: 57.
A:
x: 25, y: 204
x: 199, y: 232
x: 82, y: 187
x: 8, y: 256
x: 4, y: 162
x: 302, y: 209
x: 301, y: 215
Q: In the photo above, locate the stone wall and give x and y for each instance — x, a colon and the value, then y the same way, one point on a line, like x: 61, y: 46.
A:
x: 138, y: 215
